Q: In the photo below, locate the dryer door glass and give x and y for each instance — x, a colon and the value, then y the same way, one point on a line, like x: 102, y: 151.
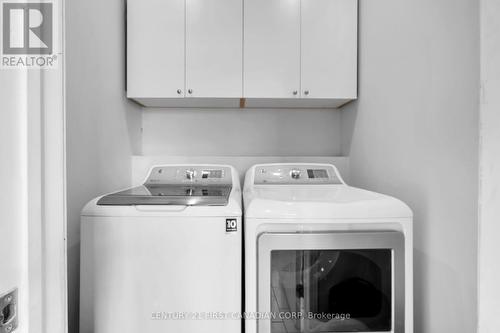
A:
x: 331, y: 290
x: 331, y: 282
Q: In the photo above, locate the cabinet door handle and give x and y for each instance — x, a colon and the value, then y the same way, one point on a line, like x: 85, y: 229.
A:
x: 306, y: 92
x: 179, y: 91
x: 295, y: 92
x: 190, y: 91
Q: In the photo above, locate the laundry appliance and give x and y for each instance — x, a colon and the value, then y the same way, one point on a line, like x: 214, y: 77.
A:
x: 165, y: 256
x: 322, y: 256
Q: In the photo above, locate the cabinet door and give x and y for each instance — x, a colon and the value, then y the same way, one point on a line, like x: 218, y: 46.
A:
x: 271, y: 48
x: 329, y: 48
x: 155, y: 48
x: 214, y: 48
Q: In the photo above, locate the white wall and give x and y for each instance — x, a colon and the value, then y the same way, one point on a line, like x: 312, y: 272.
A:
x: 13, y: 179
x: 489, y: 226
x: 240, y: 132
x: 103, y: 128
x: 414, y: 134
x: 32, y: 199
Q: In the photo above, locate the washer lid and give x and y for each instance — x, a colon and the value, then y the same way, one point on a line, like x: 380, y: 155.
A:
x: 169, y: 195
x: 182, y: 185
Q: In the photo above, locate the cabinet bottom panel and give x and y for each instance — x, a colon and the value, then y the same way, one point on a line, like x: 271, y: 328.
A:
x: 257, y: 103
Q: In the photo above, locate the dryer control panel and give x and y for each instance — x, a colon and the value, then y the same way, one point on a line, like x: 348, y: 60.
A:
x: 293, y: 174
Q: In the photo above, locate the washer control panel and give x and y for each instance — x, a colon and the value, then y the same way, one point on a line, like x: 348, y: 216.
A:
x: 184, y: 175
x: 289, y: 174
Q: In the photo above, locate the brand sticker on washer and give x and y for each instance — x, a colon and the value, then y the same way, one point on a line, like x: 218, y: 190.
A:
x: 231, y: 225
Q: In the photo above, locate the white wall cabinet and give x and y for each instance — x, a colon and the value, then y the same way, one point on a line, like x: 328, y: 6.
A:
x: 329, y: 32
x: 272, y: 49
x: 256, y: 53
x: 300, y: 49
x: 214, y: 64
x: 155, y: 48
x: 184, y: 49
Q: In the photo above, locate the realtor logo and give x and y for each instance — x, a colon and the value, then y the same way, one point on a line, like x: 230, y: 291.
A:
x: 27, y: 34
x: 28, y: 28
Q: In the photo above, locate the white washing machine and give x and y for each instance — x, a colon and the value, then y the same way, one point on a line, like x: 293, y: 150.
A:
x: 165, y: 256
x: 321, y: 256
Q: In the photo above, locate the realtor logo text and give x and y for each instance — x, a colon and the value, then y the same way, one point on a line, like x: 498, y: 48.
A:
x: 27, y: 35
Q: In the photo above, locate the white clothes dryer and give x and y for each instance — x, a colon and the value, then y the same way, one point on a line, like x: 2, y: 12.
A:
x: 165, y: 256
x: 322, y: 256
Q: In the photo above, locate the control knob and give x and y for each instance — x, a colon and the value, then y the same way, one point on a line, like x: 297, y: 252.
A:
x: 295, y: 174
x: 190, y: 174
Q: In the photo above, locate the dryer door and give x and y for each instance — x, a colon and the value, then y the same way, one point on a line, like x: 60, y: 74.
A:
x: 331, y: 282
